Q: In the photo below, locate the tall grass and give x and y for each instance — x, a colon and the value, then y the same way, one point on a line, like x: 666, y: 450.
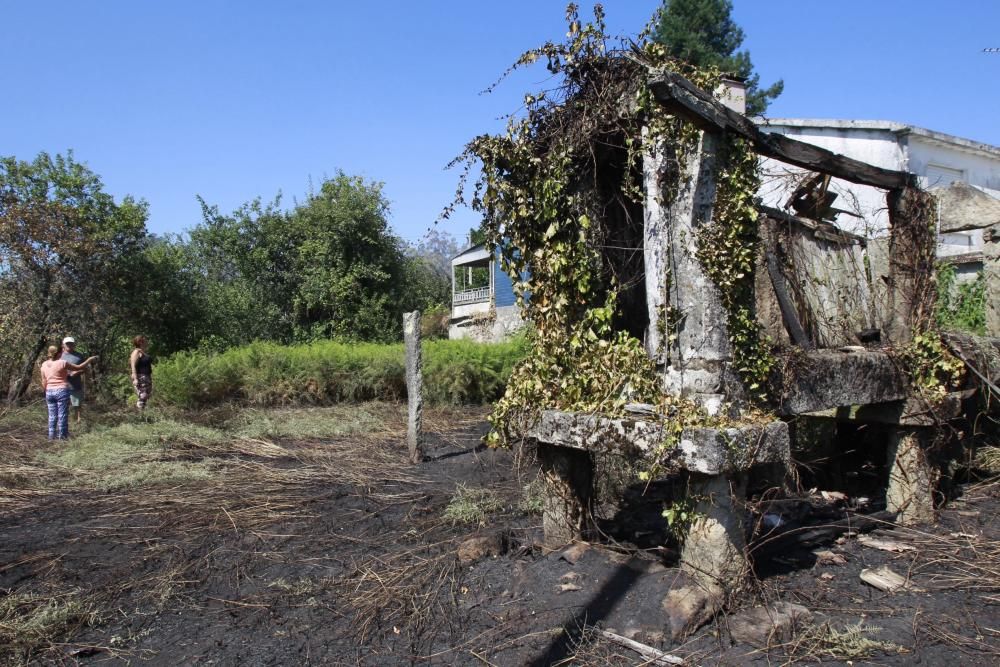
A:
x: 267, y: 374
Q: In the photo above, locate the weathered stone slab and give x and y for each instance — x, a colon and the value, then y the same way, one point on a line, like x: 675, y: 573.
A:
x: 709, y: 451
x: 914, y: 411
x: 825, y: 379
x: 962, y: 207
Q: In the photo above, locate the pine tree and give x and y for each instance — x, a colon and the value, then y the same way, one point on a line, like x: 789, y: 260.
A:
x: 703, y: 33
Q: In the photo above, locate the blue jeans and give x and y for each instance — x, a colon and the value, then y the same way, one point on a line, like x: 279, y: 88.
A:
x: 57, y: 401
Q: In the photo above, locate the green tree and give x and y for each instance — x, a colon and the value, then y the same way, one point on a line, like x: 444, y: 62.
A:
x: 328, y: 268
x: 246, y: 264
x: 349, y: 265
x: 67, y: 260
x: 428, y: 270
x: 703, y: 33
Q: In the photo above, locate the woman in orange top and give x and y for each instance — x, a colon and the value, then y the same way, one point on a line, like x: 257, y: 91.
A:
x: 55, y: 382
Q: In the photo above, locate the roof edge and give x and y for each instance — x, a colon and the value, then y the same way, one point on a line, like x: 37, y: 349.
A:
x: 885, y: 126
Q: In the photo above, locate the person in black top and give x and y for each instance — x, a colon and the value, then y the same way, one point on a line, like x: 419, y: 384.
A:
x: 141, y: 365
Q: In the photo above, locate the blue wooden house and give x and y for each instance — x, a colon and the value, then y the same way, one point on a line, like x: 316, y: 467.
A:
x: 483, y: 304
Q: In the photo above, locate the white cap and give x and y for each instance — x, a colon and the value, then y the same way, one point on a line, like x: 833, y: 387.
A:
x: 69, y: 339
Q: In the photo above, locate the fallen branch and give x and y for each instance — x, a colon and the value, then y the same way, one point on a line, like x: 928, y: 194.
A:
x: 655, y: 656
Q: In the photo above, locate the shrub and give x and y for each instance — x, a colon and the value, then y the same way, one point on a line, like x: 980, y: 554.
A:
x: 268, y: 374
x: 960, y: 306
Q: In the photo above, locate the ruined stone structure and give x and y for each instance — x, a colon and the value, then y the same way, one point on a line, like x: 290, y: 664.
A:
x: 838, y: 334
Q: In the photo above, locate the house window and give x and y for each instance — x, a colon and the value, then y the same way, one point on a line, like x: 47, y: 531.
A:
x: 939, y: 176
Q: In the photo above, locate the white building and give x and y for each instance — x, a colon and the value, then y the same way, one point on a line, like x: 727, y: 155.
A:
x: 938, y: 159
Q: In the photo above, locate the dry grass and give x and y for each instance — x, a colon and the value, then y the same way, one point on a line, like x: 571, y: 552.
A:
x: 988, y: 460
x: 32, y: 622
x: 411, y: 591
x: 473, y: 505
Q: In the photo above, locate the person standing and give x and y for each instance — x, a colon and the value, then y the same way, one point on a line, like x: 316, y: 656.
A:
x: 142, y: 370
x: 76, y: 388
x: 55, y: 382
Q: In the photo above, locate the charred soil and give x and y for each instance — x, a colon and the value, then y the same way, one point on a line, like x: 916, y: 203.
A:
x: 334, y: 550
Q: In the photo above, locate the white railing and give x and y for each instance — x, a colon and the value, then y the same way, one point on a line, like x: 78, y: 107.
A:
x: 471, y: 296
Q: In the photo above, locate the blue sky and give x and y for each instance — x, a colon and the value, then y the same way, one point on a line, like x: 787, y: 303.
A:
x: 238, y: 99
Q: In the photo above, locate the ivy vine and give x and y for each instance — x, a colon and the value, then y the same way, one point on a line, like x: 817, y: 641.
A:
x: 561, y: 194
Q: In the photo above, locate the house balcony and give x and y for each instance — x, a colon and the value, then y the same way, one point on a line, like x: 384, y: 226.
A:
x: 475, y: 295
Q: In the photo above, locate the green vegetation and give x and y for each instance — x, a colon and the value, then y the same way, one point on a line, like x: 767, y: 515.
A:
x: 703, y: 33
x: 163, y: 450
x: 931, y: 366
x: 77, y: 262
x: 533, y: 496
x: 267, y: 374
x: 854, y: 642
x: 133, y: 455
x: 67, y: 250
x: 473, y: 505
x: 960, y: 306
x: 563, y: 189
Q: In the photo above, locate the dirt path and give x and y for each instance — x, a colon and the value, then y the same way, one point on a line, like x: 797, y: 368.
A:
x: 334, y: 551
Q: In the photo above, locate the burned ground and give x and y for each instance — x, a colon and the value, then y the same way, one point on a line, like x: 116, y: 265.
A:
x: 333, y: 550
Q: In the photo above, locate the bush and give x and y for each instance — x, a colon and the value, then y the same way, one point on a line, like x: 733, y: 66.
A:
x: 268, y: 374
x: 960, y: 306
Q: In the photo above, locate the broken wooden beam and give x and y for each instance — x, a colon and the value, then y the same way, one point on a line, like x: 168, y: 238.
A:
x: 683, y: 98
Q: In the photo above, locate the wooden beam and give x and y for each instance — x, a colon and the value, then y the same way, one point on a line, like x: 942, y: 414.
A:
x: 683, y: 98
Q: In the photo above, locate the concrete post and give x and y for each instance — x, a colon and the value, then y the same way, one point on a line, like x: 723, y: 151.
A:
x: 912, y: 478
x: 569, y: 483
x: 414, y: 384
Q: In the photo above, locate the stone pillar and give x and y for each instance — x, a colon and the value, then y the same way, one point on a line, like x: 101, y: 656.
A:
x: 714, y: 549
x: 991, y: 273
x: 912, y: 478
x: 569, y: 487
x: 414, y: 384
x: 695, y: 360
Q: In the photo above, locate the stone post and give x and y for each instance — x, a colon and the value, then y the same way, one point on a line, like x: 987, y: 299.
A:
x: 991, y: 274
x: 912, y: 478
x: 695, y: 361
x: 714, y: 549
x: 414, y: 384
x: 569, y: 483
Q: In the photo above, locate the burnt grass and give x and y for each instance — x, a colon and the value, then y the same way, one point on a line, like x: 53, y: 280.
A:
x: 316, y: 570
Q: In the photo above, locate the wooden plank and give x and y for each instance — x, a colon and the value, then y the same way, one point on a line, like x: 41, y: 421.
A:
x: 785, y: 304
x: 686, y: 100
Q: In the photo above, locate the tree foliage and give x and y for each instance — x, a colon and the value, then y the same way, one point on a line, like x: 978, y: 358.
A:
x: 330, y: 267
x: 67, y: 259
x: 75, y: 261
x: 703, y: 33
